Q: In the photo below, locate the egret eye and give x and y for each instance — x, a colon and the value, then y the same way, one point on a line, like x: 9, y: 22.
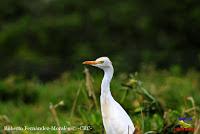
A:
x: 101, y: 62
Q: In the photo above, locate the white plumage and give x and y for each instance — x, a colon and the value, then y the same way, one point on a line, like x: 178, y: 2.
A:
x: 115, y: 118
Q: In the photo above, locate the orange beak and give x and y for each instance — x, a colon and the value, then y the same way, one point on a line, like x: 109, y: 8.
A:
x: 90, y: 62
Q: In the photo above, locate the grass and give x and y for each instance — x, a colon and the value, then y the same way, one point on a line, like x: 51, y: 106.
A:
x: 155, y: 100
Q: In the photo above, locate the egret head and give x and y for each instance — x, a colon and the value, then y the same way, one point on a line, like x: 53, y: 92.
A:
x: 102, y: 63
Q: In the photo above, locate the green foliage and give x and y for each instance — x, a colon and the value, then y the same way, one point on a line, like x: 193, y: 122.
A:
x: 161, y: 85
x: 44, y: 38
x: 60, y: 34
x: 17, y: 89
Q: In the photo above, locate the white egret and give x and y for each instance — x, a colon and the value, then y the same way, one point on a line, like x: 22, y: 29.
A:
x: 115, y: 118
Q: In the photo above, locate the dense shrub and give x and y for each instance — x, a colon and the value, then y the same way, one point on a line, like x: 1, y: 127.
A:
x: 45, y: 38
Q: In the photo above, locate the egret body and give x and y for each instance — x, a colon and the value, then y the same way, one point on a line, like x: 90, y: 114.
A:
x: 115, y: 118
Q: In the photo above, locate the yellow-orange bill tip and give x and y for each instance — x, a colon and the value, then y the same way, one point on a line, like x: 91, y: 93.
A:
x: 90, y: 62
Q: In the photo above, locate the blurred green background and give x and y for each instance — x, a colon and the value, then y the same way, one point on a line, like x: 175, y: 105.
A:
x: 43, y: 43
x: 46, y: 37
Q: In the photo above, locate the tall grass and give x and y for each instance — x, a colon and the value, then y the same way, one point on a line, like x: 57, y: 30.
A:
x: 154, y: 100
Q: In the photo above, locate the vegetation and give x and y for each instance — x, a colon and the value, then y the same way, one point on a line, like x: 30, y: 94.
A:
x: 59, y: 34
x: 43, y: 42
x: 155, y: 100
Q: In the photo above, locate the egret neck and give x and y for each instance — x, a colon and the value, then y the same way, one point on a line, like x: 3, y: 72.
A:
x: 105, y: 85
